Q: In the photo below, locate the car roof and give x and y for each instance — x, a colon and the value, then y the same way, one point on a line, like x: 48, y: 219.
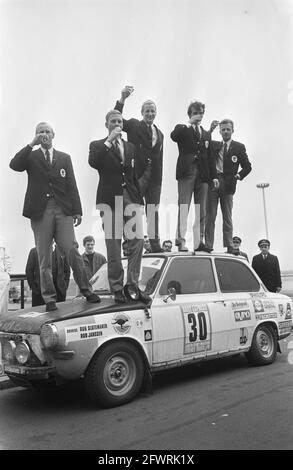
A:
x: 174, y: 254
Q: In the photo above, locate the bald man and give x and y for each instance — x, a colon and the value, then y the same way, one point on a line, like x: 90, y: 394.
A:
x: 148, y: 140
x: 53, y: 204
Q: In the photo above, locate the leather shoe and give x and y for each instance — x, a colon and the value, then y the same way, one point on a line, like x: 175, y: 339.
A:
x: 144, y: 297
x: 203, y: 247
x: 182, y: 247
x: 50, y: 306
x: 119, y: 297
x: 93, y: 298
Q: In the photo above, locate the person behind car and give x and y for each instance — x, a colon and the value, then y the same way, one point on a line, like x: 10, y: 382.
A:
x: 236, y: 245
x: 167, y: 245
x: 91, y: 258
x: 267, y: 267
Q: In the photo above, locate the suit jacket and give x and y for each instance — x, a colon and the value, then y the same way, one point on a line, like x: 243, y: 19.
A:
x: 236, y: 156
x: 60, y: 271
x: 114, y: 175
x: 192, y: 148
x: 137, y: 134
x: 44, y: 179
x: 98, y: 261
x: 268, y: 270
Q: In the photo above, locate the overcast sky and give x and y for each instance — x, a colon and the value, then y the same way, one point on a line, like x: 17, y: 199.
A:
x: 65, y: 62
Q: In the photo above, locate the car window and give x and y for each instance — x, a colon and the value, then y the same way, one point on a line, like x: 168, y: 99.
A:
x: 189, y: 276
x: 235, y: 276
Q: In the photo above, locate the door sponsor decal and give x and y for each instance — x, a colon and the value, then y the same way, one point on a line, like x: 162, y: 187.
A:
x: 242, y: 315
x: 243, y: 336
x: 258, y: 306
x: 197, y: 328
x: 288, y: 312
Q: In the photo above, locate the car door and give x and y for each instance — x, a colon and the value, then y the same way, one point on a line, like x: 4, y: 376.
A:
x: 192, y: 325
x: 239, y: 288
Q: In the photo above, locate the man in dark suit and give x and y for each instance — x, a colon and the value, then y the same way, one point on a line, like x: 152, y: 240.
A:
x: 194, y: 171
x: 60, y: 273
x: 229, y: 155
x: 236, y: 245
x: 267, y: 267
x: 148, y: 140
x: 52, y: 203
x: 118, y: 198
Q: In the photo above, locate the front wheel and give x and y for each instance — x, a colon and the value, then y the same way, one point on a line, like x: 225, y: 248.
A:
x: 115, y: 374
x: 264, y: 346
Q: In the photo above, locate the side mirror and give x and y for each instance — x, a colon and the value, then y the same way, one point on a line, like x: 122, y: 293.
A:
x: 172, y: 294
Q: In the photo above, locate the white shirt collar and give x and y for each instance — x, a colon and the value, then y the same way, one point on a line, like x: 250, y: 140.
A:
x: 228, y: 142
x: 50, y: 151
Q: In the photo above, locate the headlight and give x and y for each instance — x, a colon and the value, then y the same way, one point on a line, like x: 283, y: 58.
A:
x: 22, y: 352
x: 9, y: 350
x: 49, y: 336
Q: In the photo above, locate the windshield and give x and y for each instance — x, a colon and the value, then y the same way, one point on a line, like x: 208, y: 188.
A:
x: 150, y: 272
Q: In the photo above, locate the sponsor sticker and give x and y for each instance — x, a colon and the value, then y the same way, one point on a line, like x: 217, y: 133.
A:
x: 256, y: 295
x: 148, y: 335
x: 285, y: 327
x: 288, y: 312
x: 243, y: 336
x: 139, y: 323
x: 265, y: 316
x: 258, y: 306
x: 120, y: 323
x: 242, y: 315
x: 197, y: 328
x: 81, y: 332
x: 240, y: 304
x: 269, y: 305
x: 281, y: 309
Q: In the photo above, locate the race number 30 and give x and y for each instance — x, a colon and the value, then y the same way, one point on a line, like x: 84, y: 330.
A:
x: 197, y: 327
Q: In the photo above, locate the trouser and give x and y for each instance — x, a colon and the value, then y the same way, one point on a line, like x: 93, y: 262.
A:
x: 37, y: 299
x: 188, y: 186
x: 152, y: 201
x: 55, y: 225
x: 116, y: 223
x: 226, y: 203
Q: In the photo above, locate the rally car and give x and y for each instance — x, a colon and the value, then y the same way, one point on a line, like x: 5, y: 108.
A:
x: 203, y: 306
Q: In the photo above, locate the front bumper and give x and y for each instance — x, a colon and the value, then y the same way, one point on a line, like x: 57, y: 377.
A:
x: 29, y: 372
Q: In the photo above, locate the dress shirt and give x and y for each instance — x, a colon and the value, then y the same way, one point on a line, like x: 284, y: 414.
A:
x: 50, y: 153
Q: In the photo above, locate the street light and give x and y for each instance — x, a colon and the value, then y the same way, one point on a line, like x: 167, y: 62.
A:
x: 263, y: 186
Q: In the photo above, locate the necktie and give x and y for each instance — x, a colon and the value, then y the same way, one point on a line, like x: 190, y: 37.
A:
x: 150, y: 134
x: 225, y: 150
x: 47, y: 153
x: 118, y: 144
x: 197, y: 133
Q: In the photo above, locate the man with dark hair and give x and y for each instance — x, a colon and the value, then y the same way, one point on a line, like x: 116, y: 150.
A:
x: 167, y: 245
x: 118, y: 198
x: 92, y: 259
x: 267, y: 267
x: 236, y: 245
x: 195, y: 170
x: 148, y: 140
x: 52, y: 203
x: 229, y: 155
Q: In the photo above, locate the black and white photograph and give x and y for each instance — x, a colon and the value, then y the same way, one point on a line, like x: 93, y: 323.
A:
x: 146, y: 275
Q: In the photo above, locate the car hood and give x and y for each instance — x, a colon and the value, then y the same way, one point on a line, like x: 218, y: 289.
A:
x: 31, y: 319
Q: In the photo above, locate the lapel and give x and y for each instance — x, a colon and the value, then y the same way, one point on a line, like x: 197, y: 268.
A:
x: 145, y: 134
x: 229, y: 153
x: 42, y: 157
x: 54, y: 157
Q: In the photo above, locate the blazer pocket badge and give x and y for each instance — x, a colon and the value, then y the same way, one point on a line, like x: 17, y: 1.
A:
x: 207, y: 144
x: 234, y: 159
x: 62, y: 172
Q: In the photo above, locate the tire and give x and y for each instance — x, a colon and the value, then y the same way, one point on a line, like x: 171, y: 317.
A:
x: 115, y: 374
x: 264, y: 346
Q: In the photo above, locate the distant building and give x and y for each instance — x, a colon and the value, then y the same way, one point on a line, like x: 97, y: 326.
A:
x: 5, y: 258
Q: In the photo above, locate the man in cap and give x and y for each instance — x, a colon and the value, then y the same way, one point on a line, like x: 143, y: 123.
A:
x: 148, y: 140
x: 267, y: 267
x: 52, y: 203
x: 236, y: 245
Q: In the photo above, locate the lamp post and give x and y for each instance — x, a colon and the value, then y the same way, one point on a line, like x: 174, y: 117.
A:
x: 263, y: 186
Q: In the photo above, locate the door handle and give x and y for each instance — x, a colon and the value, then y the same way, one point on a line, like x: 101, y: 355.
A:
x: 220, y: 302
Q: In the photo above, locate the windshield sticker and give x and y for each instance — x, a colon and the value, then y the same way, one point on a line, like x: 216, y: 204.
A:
x: 242, y: 315
x: 120, y: 323
x: 243, y: 336
x: 197, y: 328
x: 80, y: 332
x: 32, y: 314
